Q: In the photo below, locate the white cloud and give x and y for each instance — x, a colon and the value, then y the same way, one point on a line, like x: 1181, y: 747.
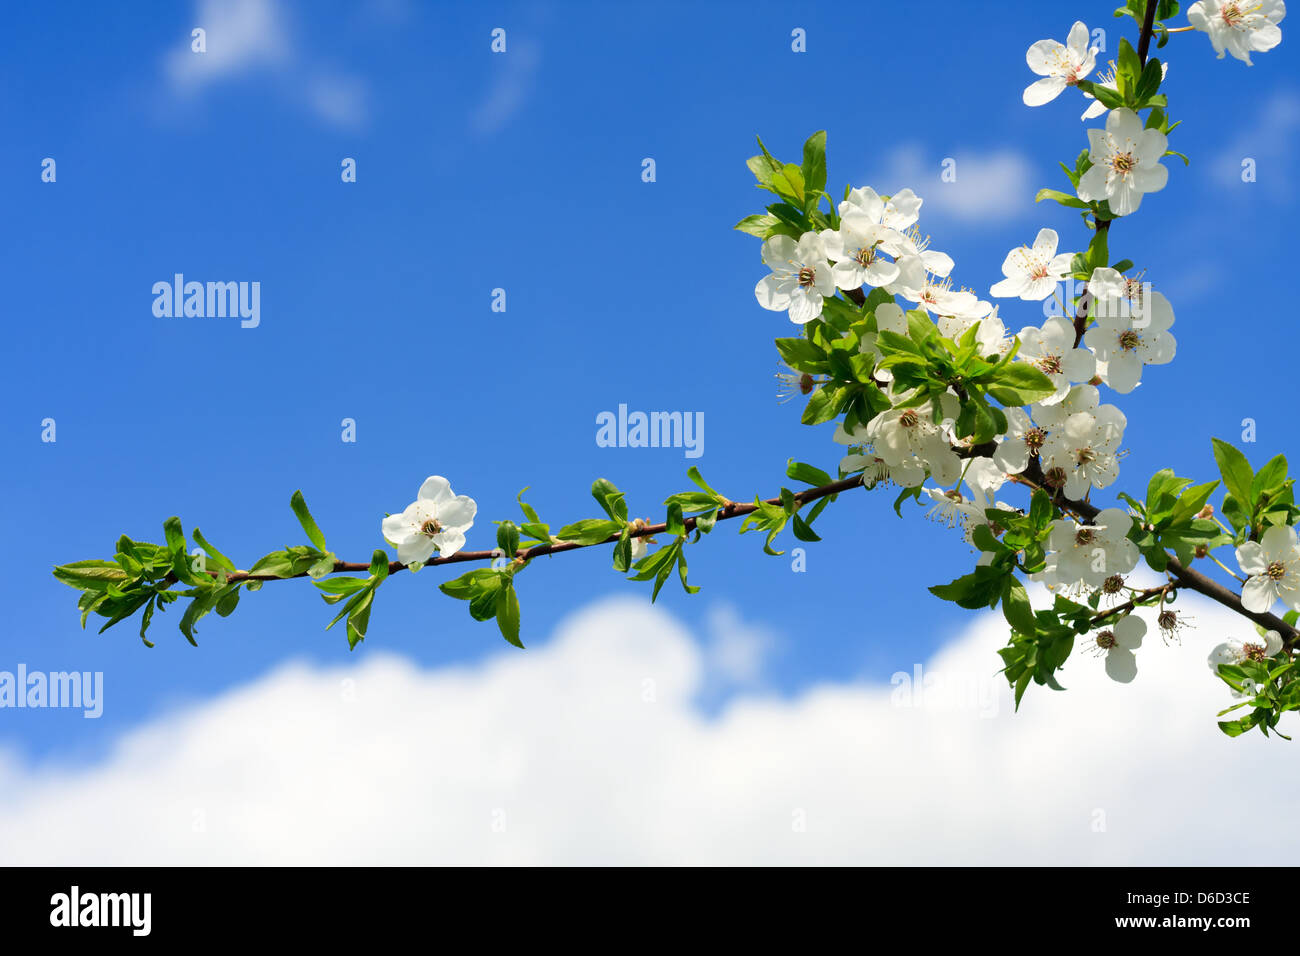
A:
x: 1269, y: 142
x: 512, y: 84
x: 588, y: 749
x: 241, y: 36
x: 248, y: 37
x: 980, y: 187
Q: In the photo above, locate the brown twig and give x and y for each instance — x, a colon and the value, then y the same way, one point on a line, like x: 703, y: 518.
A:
x: 731, y: 509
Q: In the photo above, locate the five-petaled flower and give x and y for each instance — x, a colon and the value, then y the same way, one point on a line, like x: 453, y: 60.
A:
x: 1239, y: 27
x: 800, y: 279
x: 1131, y: 330
x: 1125, y: 163
x: 1092, y: 552
x: 1051, y: 350
x: 1032, y: 272
x: 1059, y: 65
x: 435, y: 521
x: 1273, y: 568
x: 858, y: 249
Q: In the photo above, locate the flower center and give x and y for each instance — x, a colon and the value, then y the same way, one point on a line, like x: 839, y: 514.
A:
x: 1050, y: 364
x: 909, y: 419
x: 1106, y: 640
x: 807, y: 276
x: 430, y: 527
x: 865, y: 256
x: 1084, y: 456
x: 1113, y: 584
x: 1276, y: 571
x: 1123, y: 163
x: 1083, y: 536
x: 1129, y: 340
x: 1034, y: 439
x: 1055, y: 477
x: 1167, y: 620
x: 1253, y: 652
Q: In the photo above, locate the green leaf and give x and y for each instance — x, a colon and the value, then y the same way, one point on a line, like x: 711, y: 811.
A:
x: 527, y: 509
x: 217, y: 558
x: 299, y: 506
x: 808, y: 474
x: 94, y: 575
x: 1236, y: 471
x: 469, y: 583
x: 610, y: 499
x: 1269, y: 480
x: 1190, y: 502
x: 802, y: 355
x: 507, y: 610
x: 623, y: 551
x: 590, y: 531
x: 759, y: 224
x: 1017, y: 608
x: 175, y: 536
x: 823, y: 405
x: 1065, y: 199
x: 1019, y: 383
x: 813, y: 170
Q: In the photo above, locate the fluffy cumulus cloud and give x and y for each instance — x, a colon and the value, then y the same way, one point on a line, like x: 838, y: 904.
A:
x: 1261, y: 155
x: 965, y: 187
x: 255, y: 38
x: 590, y: 749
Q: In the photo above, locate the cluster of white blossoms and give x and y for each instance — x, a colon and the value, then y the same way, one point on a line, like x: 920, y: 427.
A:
x: 1122, y: 326
x: 1084, y: 556
x: 873, y: 246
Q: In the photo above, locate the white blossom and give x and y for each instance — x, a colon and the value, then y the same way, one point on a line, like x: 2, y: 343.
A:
x: 898, y: 212
x: 1032, y: 272
x: 1239, y: 27
x: 1093, y: 552
x: 436, y: 521
x: 1131, y: 330
x: 1022, y: 440
x: 801, y: 277
x: 1059, y: 65
x: 1273, y: 568
x: 1125, y: 163
x: 1236, y: 652
x: 856, y: 249
x: 1118, y: 642
x: 910, y: 441
x: 1050, y: 349
x: 1083, y: 452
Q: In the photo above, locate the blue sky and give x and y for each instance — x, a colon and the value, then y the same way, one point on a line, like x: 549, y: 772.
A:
x: 522, y: 171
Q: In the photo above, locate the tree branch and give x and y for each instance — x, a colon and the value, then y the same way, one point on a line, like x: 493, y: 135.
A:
x: 1183, y: 576
x: 1144, y: 40
x: 730, y: 510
